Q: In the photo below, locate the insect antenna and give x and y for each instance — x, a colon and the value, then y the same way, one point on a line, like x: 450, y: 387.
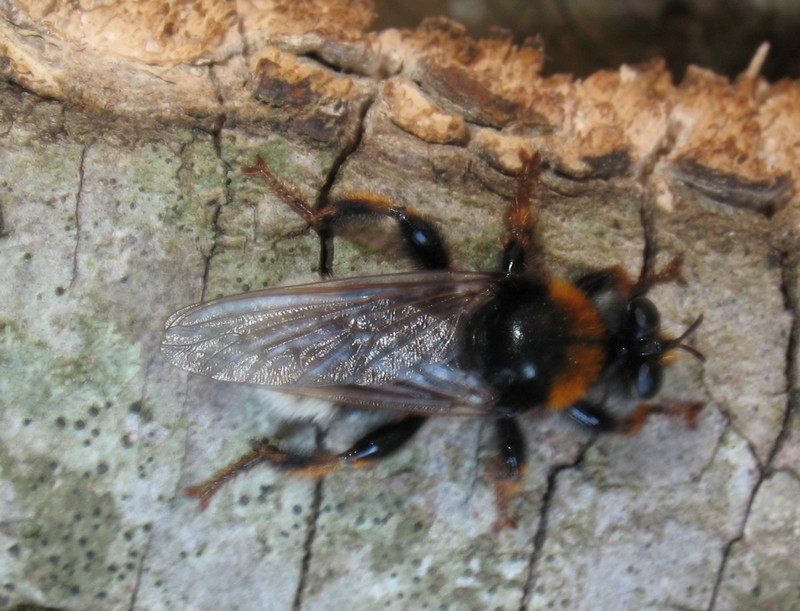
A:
x: 678, y: 341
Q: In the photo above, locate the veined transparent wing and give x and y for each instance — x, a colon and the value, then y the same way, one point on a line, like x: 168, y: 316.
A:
x: 387, y: 342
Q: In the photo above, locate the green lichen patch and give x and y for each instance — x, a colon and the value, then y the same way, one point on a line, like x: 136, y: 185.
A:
x: 62, y: 417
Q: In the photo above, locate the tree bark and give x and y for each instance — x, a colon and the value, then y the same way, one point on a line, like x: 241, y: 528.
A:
x: 124, y: 199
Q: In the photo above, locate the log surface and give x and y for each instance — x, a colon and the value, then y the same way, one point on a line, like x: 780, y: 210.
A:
x: 123, y: 199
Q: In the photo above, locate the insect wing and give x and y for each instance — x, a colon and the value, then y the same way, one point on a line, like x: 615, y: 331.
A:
x: 385, y: 342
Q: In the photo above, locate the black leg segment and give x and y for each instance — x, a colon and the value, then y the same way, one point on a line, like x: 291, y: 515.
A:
x: 592, y: 417
x: 596, y: 417
x: 512, y: 446
x: 376, y: 444
x: 423, y: 240
x: 384, y: 440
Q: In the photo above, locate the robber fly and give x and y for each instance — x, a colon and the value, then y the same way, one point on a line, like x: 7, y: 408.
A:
x: 434, y: 342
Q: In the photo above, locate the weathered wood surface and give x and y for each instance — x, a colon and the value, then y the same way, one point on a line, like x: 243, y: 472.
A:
x: 123, y: 199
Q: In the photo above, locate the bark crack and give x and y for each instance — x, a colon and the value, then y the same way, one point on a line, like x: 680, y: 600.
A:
x: 140, y: 569
x: 345, y: 152
x: 789, y: 279
x: 3, y: 232
x: 308, y: 545
x: 476, y: 459
x: 726, y: 550
x: 150, y: 531
x: 540, y: 537
x: 77, y: 214
x: 217, y: 206
x: 789, y: 283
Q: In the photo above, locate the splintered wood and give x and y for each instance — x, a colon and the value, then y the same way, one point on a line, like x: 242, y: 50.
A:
x: 312, y: 69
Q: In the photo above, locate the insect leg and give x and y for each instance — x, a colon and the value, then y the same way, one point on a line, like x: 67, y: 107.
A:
x: 284, y: 191
x: 595, y: 417
x: 423, y: 239
x: 618, y: 279
x: 507, y: 471
x: 309, y: 213
x: 673, y: 272
x: 522, y: 246
x: 376, y: 444
x: 636, y: 421
x: 512, y: 447
x: 610, y: 278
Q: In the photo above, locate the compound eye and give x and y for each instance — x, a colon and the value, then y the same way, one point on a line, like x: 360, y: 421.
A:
x: 647, y: 379
x: 644, y: 317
